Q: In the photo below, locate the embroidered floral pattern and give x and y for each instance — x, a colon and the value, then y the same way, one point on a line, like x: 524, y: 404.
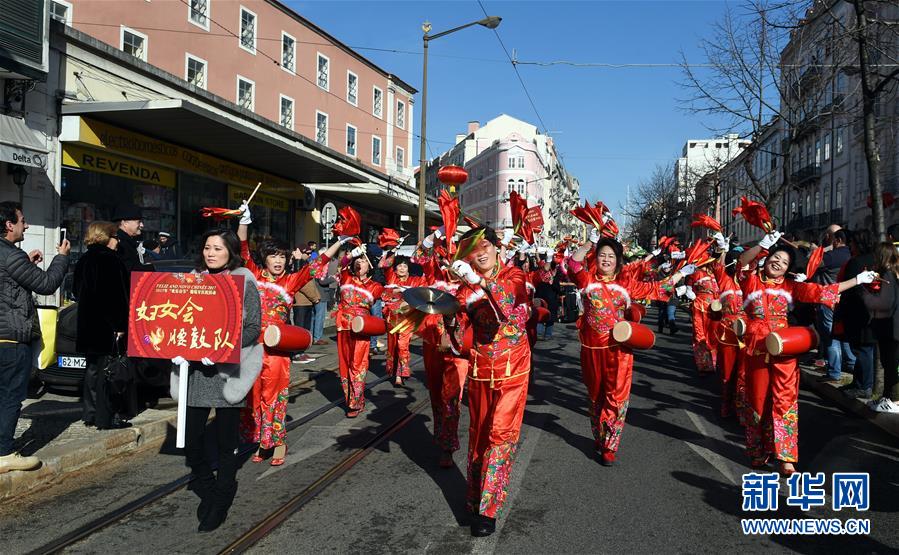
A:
x: 704, y: 358
x: 786, y: 434
x: 265, y: 425
x: 446, y: 425
x: 275, y: 302
x: 494, y: 488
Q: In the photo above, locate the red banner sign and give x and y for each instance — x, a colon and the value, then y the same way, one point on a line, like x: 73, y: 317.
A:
x: 534, y: 217
x: 188, y: 315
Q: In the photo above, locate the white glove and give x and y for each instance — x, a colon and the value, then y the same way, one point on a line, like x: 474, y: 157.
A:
x: 690, y: 293
x: 680, y: 290
x: 722, y: 242
x: 358, y: 251
x: 529, y: 249
x: 206, y: 361
x: 678, y: 255
x: 799, y: 278
x: 770, y: 239
x: 344, y: 238
x: 665, y: 267
x: 865, y: 278
x: 656, y: 252
x: 464, y: 269
x: 510, y: 254
x: 141, y: 249
x: 594, y: 236
x: 440, y: 232
x: 688, y: 270
x: 246, y: 218
x: 178, y: 361
x: 508, y: 236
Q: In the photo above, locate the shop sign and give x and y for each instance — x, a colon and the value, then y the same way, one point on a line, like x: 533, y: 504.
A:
x: 22, y: 156
x: 193, y: 316
x: 103, y: 162
x: 105, y: 136
x: 236, y: 195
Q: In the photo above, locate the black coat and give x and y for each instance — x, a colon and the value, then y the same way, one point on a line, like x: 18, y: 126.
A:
x: 851, y: 310
x: 127, y: 251
x: 550, y: 292
x: 19, y: 279
x: 101, y: 287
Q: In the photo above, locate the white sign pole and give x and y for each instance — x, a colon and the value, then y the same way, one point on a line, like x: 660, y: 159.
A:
x: 182, y: 405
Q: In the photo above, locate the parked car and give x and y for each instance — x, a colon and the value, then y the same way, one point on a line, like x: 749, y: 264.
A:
x: 67, y: 370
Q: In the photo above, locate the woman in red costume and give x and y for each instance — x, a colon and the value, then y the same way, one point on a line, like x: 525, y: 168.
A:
x: 358, y: 292
x: 495, y: 299
x: 705, y: 289
x: 731, y: 370
x: 263, y: 418
x: 772, y: 382
x: 607, y: 366
x: 395, y: 308
x: 445, y: 371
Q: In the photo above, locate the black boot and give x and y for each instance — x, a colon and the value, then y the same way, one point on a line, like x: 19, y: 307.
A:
x: 483, y: 526
x: 222, y: 498
x: 204, y: 487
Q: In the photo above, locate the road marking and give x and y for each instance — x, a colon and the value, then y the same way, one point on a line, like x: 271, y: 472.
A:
x: 718, y: 462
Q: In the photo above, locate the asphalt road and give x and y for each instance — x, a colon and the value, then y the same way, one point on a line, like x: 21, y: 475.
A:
x: 676, y: 489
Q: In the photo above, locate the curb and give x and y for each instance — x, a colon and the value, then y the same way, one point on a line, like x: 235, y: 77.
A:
x: 59, y: 461
x: 887, y: 422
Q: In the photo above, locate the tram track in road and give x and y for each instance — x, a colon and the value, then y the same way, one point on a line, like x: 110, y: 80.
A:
x: 119, y: 514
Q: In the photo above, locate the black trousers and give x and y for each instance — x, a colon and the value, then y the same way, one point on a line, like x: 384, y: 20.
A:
x: 227, y: 438
x: 94, y: 396
x: 889, y: 356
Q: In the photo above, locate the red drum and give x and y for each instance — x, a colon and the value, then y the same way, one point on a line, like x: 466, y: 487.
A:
x: 368, y: 325
x: 542, y: 314
x: 715, y: 309
x: 635, y: 312
x: 288, y: 339
x: 633, y: 335
x: 792, y: 341
x: 464, y: 349
x: 739, y: 327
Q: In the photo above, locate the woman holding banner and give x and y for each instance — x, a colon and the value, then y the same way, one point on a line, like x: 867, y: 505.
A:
x: 222, y: 387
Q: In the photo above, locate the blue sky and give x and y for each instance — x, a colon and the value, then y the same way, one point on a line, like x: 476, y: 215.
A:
x: 611, y: 125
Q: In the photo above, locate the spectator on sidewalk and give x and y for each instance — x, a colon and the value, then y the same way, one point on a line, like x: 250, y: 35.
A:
x: 152, y: 250
x: 855, y: 318
x: 20, y: 278
x: 305, y: 301
x: 883, y: 302
x: 101, y: 287
x: 168, y: 246
x: 838, y: 354
x: 131, y: 223
x: 326, y: 286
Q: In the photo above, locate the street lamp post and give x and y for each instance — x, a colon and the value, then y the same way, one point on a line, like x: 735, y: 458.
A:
x: 491, y: 22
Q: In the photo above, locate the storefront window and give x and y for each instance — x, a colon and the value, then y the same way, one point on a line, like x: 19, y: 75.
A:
x: 198, y: 192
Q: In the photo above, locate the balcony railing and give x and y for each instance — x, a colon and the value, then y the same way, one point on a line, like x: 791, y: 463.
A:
x: 806, y: 174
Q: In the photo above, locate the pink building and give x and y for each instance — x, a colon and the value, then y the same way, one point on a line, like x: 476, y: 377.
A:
x: 268, y: 59
x: 512, y: 163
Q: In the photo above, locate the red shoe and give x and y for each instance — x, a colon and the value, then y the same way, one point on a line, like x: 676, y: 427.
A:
x: 279, y: 455
x: 353, y: 413
x: 607, y: 458
x: 257, y: 458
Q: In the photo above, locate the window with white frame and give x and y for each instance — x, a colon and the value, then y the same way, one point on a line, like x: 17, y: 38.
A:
x: 350, y: 140
x: 511, y: 186
x: 352, y: 88
x: 511, y: 162
x: 287, y: 111
x: 324, y: 70
x: 400, y: 114
x: 247, y: 30
x: 818, y: 153
x: 321, y: 127
x: 376, y: 150
x: 827, y: 146
x: 377, y: 102
x: 134, y: 43
x: 246, y: 93
x: 198, y: 13
x: 400, y: 157
x: 288, y: 52
x: 522, y: 187
x: 195, y: 71
x: 839, y: 145
x: 61, y: 11
x: 838, y: 195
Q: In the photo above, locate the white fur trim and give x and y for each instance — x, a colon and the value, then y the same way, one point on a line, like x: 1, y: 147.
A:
x: 475, y: 297
x: 729, y: 292
x: 756, y: 295
x: 614, y: 287
x: 361, y: 290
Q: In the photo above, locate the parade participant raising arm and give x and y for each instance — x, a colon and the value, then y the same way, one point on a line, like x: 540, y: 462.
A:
x: 607, y: 366
x: 263, y: 420
x: 495, y: 299
x: 772, y: 382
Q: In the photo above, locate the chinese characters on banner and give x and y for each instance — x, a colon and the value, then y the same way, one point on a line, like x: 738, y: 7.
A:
x: 188, y: 315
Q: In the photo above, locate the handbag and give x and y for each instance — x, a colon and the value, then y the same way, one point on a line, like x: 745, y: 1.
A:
x: 118, y: 370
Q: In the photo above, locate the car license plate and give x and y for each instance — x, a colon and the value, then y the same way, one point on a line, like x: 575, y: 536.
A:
x: 72, y: 362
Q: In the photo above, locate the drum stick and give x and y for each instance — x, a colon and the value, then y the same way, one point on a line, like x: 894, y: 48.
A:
x: 253, y: 194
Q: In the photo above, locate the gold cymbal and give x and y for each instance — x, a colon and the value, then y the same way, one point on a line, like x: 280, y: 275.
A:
x: 431, y: 301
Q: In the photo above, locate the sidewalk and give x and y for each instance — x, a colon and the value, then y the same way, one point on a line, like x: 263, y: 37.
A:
x: 51, y: 428
x: 810, y: 377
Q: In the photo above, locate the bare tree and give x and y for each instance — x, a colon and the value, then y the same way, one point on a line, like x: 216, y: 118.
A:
x: 654, y: 206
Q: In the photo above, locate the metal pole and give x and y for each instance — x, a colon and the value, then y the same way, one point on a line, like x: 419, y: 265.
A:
x: 422, y: 165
